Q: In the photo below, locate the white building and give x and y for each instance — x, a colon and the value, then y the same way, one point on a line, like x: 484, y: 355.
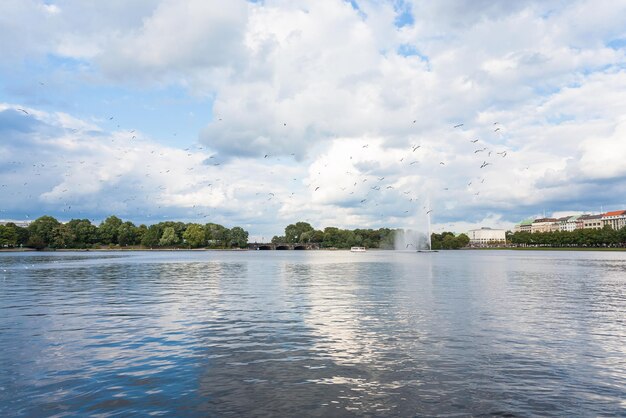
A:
x: 485, y: 236
x: 615, y: 219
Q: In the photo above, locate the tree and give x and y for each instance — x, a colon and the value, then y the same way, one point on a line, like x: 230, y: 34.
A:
x: 238, y: 237
x: 216, y: 235
x: 169, y: 237
x: 126, y: 234
x: 62, y: 237
x: 107, y: 231
x: 151, y: 236
x: 463, y: 240
x: 84, y: 232
x: 8, y: 236
x: 293, y: 232
x: 43, y: 229
x: 194, y: 235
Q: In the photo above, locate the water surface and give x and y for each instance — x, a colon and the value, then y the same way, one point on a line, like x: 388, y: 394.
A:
x: 314, y: 333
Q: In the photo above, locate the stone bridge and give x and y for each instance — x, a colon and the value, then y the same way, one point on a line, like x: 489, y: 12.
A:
x: 282, y: 246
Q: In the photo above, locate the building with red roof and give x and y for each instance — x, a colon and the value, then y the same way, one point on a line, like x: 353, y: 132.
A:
x: 615, y: 219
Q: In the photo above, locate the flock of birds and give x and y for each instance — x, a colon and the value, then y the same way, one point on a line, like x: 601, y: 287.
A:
x: 351, y: 188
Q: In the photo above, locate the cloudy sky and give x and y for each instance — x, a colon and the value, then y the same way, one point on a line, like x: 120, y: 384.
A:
x: 341, y: 113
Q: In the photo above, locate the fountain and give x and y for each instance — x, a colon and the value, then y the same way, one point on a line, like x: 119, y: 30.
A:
x: 413, y: 238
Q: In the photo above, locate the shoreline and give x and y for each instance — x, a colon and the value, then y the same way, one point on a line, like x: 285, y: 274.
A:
x: 546, y: 249
x: 29, y: 250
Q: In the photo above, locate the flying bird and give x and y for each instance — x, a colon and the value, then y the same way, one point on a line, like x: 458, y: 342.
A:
x: 416, y: 147
x: 22, y: 110
x: 458, y: 126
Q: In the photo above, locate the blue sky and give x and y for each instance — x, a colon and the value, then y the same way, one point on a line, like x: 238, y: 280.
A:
x: 340, y: 113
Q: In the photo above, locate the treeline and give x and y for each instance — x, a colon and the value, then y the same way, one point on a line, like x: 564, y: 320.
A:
x: 331, y: 237
x: 47, y: 232
x: 448, y: 241
x: 605, y: 237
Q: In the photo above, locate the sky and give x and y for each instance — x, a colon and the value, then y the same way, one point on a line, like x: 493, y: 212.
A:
x: 355, y: 114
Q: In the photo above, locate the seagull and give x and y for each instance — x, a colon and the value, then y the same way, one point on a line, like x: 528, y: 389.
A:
x: 442, y: 163
x: 474, y: 141
x: 266, y: 155
x: 458, y: 126
x: 414, y: 162
x: 366, y: 145
x: 407, y: 246
x: 496, y: 130
x: 362, y: 201
x: 503, y: 153
x: 317, y: 188
x: 22, y: 110
x: 381, y: 178
x: 416, y: 147
x: 429, y: 212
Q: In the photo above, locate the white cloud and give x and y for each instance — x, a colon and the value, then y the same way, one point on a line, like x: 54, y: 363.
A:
x: 309, y: 84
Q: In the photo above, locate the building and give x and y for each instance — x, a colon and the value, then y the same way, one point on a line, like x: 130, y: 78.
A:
x: 486, y: 236
x: 568, y: 223
x: 22, y: 224
x: 590, y: 221
x: 544, y: 225
x: 615, y: 219
x: 524, y: 226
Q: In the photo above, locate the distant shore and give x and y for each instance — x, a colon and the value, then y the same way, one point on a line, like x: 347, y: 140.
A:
x: 548, y: 249
x: 135, y: 249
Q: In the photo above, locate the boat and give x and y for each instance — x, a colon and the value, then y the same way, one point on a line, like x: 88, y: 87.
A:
x: 358, y: 249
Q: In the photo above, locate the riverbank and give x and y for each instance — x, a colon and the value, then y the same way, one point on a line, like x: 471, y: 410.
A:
x: 548, y: 249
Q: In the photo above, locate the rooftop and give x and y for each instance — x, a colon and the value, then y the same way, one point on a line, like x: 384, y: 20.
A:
x: 615, y: 213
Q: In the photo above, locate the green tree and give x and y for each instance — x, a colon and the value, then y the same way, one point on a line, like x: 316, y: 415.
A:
x: 238, y: 237
x: 152, y: 236
x: 463, y: 240
x: 126, y: 234
x: 169, y: 237
x: 62, y: 237
x: 293, y: 232
x: 216, y: 235
x: 194, y: 235
x: 8, y: 236
x: 43, y: 229
x: 84, y: 232
x: 278, y: 239
x: 107, y: 231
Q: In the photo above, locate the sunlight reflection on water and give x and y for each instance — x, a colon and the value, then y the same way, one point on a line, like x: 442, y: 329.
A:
x: 314, y: 333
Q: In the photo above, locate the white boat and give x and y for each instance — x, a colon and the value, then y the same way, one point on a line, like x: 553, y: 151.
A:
x: 358, y: 249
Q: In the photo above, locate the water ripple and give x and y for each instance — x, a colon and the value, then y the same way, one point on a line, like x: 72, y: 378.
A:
x: 313, y: 333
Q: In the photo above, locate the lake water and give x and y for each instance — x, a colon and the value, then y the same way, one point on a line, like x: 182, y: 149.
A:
x: 313, y: 333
